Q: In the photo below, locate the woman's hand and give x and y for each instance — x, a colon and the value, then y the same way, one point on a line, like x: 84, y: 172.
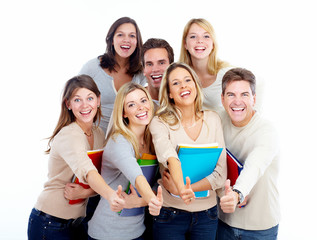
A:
x: 187, y: 193
x: 133, y: 200
x: 73, y: 191
x: 168, y: 183
x: 156, y: 203
x: 116, y: 200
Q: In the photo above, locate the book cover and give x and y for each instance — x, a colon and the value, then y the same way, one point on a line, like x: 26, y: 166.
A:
x: 149, y: 166
x: 234, y: 167
x: 198, y: 161
x: 96, y: 158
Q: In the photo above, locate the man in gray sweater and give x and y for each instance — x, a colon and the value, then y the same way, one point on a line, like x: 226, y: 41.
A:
x: 254, y: 142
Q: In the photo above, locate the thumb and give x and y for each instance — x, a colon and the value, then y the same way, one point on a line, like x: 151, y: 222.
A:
x: 132, y: 189
x: 159, y: 194
x: 119, y: 191
x: 187, y: 183
x: 227, y: 187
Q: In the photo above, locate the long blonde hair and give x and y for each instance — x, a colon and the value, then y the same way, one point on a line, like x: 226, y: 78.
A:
x: 214, y: 64
x: 121, y: 124
x: 167, y: 111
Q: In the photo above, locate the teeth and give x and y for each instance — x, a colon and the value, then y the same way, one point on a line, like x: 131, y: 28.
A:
x: 141, y: 114
x: 126, y: 47
x: 200, y: 48
x: 157, y: 76
x: 86, y: 112
x: 184, y: 93
x: 237, y: 109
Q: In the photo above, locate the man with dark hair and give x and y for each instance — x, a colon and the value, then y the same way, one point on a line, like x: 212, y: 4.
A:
x: 254, y: 142
x: 157, y: 55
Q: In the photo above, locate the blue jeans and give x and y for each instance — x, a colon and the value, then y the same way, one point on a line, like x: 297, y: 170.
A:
x: 178, y: 224
x: 225, y: 232
x: 44, y: 226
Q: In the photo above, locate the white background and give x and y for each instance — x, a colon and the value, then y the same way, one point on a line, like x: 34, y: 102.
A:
x: 45, y: 43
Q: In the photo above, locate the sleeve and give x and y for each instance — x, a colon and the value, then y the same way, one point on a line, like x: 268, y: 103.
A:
x: 88, y: 68
x: 162, y: 142
x: 121, y: 155
x: 219, y: 175
x: 71, y: 147
x: 264, y: 150
x: 141, y: 79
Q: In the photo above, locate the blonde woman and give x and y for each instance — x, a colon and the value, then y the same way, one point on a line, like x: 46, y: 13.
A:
x: 180, y: 119
x: 199, y: 50
x: 76, y: 132
x: 128, y: 139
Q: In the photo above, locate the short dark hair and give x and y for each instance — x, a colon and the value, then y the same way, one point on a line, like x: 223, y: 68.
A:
x: 238, y: 74
x: 157, y: 43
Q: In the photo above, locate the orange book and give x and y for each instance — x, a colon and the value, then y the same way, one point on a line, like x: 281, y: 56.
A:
x: 96, y: 158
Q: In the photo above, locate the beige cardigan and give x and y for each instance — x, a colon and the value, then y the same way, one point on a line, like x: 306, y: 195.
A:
x: 68, y: 156
x: 165, y: 140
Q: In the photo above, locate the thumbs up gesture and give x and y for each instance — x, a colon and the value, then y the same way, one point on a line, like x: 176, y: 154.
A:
x: 156, y: 203
x: 230, y: 200
x: 116, y: 200
x: 187, y: 193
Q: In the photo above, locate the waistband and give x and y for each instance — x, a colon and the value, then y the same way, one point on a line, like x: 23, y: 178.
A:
x: 70, y: 222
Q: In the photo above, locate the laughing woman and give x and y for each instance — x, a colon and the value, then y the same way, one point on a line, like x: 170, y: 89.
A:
x: 53, y: 217
x: 180, y: 119
x: 127, y: 140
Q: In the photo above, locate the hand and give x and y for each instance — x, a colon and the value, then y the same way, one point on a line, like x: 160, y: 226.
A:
x: 187, y: 193
x: 230, y: 200
x: 156, y: 203
x: 73, y: 191
x: 116, y: 200
x: 168, y: 183
x: 132, y: 200
x: 241, y: 205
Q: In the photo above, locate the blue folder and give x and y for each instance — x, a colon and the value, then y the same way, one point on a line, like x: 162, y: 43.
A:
x: 198, y: 163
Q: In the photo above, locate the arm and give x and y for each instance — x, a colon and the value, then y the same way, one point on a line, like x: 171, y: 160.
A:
x: 97, y: 183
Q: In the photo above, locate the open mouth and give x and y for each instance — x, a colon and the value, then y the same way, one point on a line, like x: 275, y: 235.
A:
x: 125, y: 47
x: 185, y: 93
x: 157, y: 78
x: 236, y: 109
x: 142, y: 115
x: 85, y: 113
x: 200, y: 49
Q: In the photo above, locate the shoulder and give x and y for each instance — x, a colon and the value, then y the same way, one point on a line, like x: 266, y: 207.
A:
x: 211, y: 115
x: 90, y: 66
x: 140, y: 79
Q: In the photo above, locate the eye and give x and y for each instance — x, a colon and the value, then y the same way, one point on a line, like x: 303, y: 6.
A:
x: 175, y: 83
x: 188, y: 80
x: 149, y: 64
x: 206, y: 36
x: 131, y: 105
x: 144, y: 100
x: 90, y: 98
x: 76, y: 100
x: 192, y: 36
x: 132, y: 35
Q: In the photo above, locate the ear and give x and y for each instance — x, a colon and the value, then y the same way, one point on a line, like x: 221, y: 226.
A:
x: 254, y: 100
x: 222, y: 99
x: 170, y: 96
x: 98, y: 101
x: 67, y: 105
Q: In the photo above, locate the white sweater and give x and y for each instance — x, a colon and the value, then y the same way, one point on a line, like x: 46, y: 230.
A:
x: 256, y: 146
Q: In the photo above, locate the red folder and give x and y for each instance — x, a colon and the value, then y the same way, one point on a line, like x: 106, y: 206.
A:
x: 96, y: 158
x: 234, y: 167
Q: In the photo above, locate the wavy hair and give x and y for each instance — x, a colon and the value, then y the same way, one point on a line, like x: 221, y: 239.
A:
x: 214, y: 64
x: 121, y: 124
x: 168, y: 111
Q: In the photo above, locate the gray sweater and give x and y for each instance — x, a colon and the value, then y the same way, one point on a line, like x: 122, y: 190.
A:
x: 119, y: 166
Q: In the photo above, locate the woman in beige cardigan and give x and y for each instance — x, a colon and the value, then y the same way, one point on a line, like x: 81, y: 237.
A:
x: 180, y: 119
x: 52, y: 216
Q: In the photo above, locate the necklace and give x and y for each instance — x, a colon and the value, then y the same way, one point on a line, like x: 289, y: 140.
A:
x: 88, y: 135
x: 189, y: 127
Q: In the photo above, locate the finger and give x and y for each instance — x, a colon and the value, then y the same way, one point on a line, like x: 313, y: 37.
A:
x: 187, y: 183
x: 159, y: 194
x: 119, y: 191
x: 132, y: 189
x: 227, y: 187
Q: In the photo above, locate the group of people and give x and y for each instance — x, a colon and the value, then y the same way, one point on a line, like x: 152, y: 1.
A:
x: 134, y: 100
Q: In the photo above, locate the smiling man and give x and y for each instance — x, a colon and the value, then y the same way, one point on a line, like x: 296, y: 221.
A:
x: 157, y: 55
x: 254, y: 142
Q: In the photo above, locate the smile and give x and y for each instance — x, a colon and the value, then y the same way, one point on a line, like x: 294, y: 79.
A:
x: 125, y: 47
x: 142, y: 115
x: 185, y: 93
x: 157, y: 78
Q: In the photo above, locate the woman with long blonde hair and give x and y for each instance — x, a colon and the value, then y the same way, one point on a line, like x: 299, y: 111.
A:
x: 181, y: 119
x: 199, y: 49
x: 128, y: 139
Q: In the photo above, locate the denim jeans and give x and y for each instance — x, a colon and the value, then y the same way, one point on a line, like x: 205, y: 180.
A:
x: 43, y: 226
x: 178, y: 224
x: 225, y: 232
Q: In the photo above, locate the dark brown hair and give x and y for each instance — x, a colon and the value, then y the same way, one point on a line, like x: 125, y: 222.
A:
x: 238, y: 74
x: 158, y: 43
